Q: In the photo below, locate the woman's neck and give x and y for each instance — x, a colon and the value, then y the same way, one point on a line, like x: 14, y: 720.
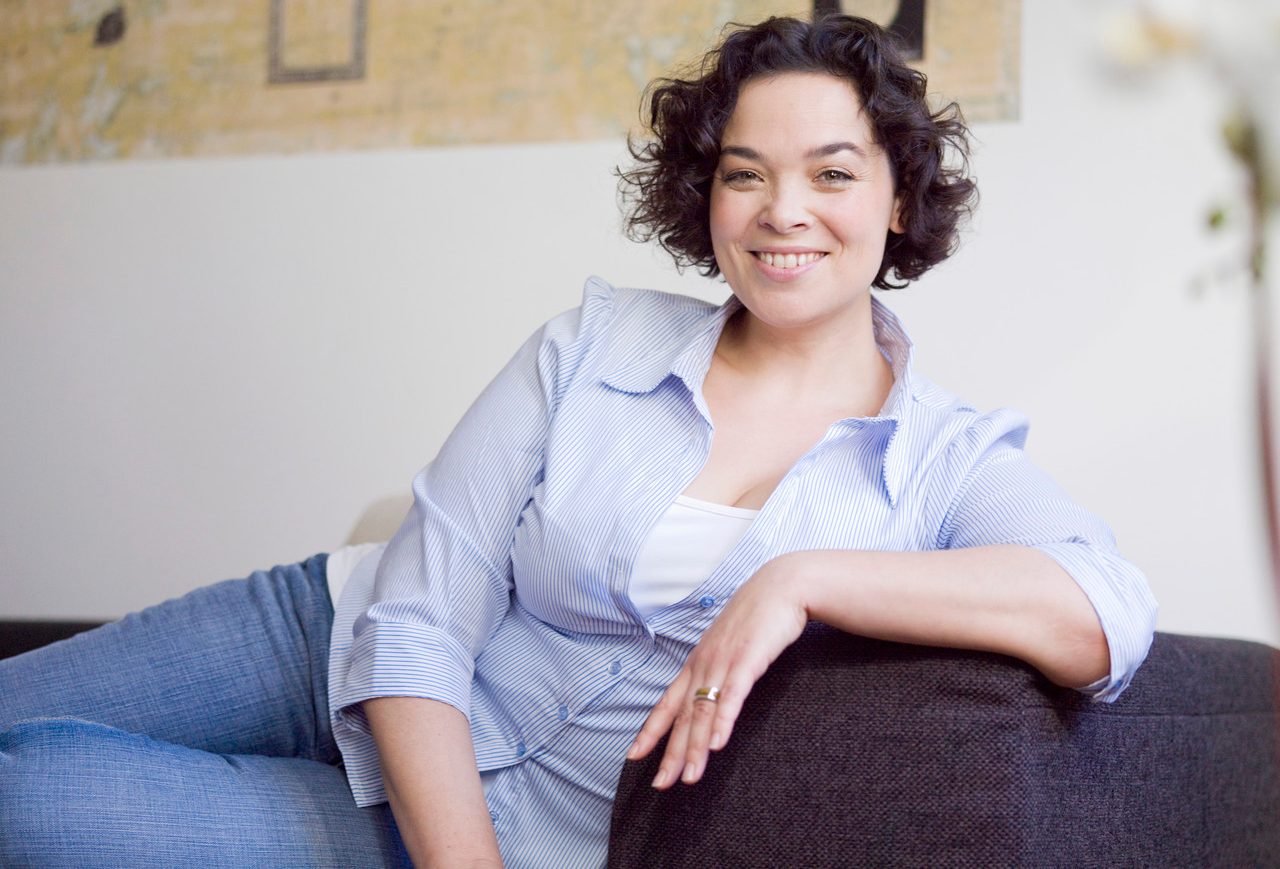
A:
x: 836, y: 362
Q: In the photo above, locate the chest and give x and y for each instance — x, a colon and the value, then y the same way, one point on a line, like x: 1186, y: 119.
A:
x: 615, y: 462
x: 761, y: 432
x: 751, y: 452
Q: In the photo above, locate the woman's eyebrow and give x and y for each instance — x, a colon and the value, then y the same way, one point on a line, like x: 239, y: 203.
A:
x: 812, y: 153
x: 835, y: 148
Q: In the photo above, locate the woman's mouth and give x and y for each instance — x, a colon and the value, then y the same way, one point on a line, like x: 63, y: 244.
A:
x: 787, y: 260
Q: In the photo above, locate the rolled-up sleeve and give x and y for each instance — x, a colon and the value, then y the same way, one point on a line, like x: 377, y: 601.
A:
x: 1001, y: 497
x: 444, y: 581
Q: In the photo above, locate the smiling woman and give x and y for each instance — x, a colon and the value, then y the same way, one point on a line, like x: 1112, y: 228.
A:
x: 829, y: 176
x: 626, y: 529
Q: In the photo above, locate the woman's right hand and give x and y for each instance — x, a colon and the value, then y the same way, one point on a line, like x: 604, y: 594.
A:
x: 764, y: 616
x: 444, y: 822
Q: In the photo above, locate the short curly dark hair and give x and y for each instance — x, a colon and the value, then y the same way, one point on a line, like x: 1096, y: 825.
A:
x: 668, y: 192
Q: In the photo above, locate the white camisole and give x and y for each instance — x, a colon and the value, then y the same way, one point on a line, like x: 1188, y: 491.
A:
x: 683, y: 549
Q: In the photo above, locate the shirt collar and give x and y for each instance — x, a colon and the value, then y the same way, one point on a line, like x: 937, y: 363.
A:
x: 897, y: 348
x: 686, y: 353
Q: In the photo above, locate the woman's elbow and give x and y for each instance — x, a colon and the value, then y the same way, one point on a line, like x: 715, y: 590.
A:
x: 1075, y: 653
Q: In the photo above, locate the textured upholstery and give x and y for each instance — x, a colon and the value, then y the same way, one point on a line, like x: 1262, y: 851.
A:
x: 854, y: 752
x: 17, y: 637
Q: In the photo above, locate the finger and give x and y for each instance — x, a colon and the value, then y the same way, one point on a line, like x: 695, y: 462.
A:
x: 650, y: 734
x: 672, y: 763
x: 713, y: 723
x: 702, y: 716
x: 675, y: 760
x: 727, y: 711
x: 659, y: 721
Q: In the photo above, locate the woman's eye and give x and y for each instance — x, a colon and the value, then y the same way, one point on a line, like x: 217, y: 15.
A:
x: 740, y: 177
x: 834, y: 176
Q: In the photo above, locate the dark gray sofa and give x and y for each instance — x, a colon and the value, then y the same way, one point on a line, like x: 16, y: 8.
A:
x: 24, y: 635
x: 854, y: 752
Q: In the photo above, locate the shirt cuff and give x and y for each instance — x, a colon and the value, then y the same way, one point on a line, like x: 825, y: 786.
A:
x: 405, y: 660
x: 1124, y: 605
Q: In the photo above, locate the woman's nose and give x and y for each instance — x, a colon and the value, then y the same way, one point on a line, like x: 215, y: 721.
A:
x: 785, y: 210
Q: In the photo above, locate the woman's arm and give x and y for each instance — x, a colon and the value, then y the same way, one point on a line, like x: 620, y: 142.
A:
x: 1009, y: 599
x: 445, y: 580
x: 1014, y: 600
x: 446, y: 822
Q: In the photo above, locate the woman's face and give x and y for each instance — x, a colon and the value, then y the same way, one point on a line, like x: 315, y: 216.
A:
x: 802, y: 200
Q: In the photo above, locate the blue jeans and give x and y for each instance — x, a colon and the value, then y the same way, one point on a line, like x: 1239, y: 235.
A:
x: 193, y: 733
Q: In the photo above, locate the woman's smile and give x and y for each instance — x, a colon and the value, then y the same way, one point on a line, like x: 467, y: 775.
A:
x: 788, y: 260
x: 783, y: 266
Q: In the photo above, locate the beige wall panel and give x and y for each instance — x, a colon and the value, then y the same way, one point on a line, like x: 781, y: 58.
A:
x: 192, y: 79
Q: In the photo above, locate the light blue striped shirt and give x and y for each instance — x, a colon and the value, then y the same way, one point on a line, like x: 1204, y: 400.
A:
x: 504, y: 593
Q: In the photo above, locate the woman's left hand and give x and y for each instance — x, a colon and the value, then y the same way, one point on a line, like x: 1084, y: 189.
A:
x: 764, y: 616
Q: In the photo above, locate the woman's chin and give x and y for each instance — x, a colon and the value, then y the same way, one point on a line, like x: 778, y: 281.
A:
x: 791, y: 308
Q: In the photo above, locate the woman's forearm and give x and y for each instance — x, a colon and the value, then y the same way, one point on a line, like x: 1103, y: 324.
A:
x: 429, y: 770
x: 1009, y: 599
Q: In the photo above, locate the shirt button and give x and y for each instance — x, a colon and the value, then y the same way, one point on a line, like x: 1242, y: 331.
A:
x: 520, y: 750
x: 562, y: 713
x: 493, y: 817
x: 707, y: 602
x: 615, y: 668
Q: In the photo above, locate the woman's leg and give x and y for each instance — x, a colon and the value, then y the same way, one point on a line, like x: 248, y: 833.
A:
x: 77, y: 794
x: 194, y: 732
x: 240, y: 667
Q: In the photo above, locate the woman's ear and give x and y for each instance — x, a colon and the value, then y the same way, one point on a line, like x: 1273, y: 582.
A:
x: 895, y: 220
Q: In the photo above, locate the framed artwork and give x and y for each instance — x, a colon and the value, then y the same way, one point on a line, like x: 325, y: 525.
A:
x: 100, y: 79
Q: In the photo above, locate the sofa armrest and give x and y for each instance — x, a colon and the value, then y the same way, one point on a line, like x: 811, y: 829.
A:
x: 855, y: 752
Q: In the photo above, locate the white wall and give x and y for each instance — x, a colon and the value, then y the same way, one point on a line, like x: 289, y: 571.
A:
x: 211, y: 366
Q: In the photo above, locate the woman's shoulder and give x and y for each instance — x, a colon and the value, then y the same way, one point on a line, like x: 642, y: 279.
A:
x: 611, y: 315
x: 635, y: 303
x: 624, y: 331
x: 955, y: 433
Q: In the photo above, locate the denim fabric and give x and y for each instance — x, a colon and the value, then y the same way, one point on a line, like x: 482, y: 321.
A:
x: 193, y: 732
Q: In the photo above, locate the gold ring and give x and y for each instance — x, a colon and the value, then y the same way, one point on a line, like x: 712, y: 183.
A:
x: 711, y: 693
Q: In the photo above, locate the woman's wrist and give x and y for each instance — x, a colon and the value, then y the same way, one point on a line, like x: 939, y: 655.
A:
x: 797, y: 579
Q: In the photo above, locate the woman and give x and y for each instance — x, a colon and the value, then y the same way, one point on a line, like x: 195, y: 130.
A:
x: 633, y: 520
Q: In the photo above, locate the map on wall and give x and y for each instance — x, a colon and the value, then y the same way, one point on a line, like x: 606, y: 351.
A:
x: 104, y: 79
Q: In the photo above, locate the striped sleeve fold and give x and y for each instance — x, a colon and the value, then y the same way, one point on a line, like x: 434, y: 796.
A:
x: 1123, y: 602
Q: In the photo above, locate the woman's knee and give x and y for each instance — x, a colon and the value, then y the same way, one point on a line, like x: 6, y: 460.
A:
x: 77, y: 793
x: 58, y: 783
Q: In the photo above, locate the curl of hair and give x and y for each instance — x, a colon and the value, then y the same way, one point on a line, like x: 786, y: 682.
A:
x: 668, y: 192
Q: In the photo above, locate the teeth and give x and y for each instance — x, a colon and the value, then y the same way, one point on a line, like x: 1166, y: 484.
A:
x: 787, y: 260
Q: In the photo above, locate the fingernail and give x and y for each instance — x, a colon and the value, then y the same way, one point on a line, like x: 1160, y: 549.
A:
x: 633, y: 750
x: 690, y: 774
x: 717, y: 740
x: 660, y: 779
